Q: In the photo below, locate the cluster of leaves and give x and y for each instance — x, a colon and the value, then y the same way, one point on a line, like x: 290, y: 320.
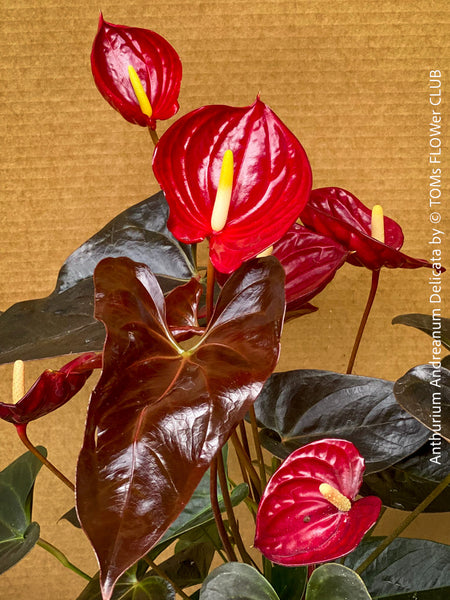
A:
x: 178, y: 378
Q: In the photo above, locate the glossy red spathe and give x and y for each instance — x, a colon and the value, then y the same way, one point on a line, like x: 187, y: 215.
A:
x: 296, y: 525
x: 155, y: 61
x: 340, y: 215
x: 51, y: 390
x: 272, y: 179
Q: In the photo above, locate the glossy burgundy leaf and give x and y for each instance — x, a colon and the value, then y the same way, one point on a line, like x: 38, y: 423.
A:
x: 155, y: 61
x: 160, y: 414
x: 51, y: 390
x: 310, y: 261
x: 338, y: 214
x: 272, y: 179
x: 296, y: 525
x: 182, y: 310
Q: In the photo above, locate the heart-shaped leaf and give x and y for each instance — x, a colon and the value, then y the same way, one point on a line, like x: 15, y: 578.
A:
x: 189, y: 566
x: 442, y: 593
x: 18, y: 534
x: 63, y: 322
x: 406, y: 565
x: 288, y: 582
x: 130, y: 587
x: 425, y: 393
x: 234, y: 581
x: 159, y: 414
x: 298, y: 407
x: 408, y: 482
x: 427, y: 324
x: 333, y: 581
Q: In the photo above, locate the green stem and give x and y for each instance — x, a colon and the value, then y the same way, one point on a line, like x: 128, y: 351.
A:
x: 21, y: 430
x: 153, y: 135
x: 259, y: 454
x: 362, y: 325
x: 210, y: 280
x: 162, y: 574
x: 217, y: 516
x: 246, y: 460
x: 404, y: 524
x: 230, y: 512
x: 62, y: 558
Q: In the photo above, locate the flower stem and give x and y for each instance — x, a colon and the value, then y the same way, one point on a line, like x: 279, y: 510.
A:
x: 153, y: 135
x: 404, y: 524
x: 259, y: 454
x: 210, y: 280
x: 162, y: 574
x: 217, y: 516
x: 362, y: 325
x: 230, y: 512
x: 62, y: 558
x: 21, y: 430
x: 246, y: 460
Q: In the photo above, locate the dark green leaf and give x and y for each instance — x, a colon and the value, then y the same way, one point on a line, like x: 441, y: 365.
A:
x: 425, y: 393
x: 129, y: 587
x: 236, y: 581
x: 335, y: 582
x: 189, y: 566
x: 427, y: 324
x: 299, y: 407
x: 408, y: 482
x: 288, y: 582
x: 436, y: 594
x: 406, y: 565
x: 64, y: 322
x: 18, y: 534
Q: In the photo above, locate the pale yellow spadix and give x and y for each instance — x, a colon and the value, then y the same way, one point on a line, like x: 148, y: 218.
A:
x: 377, y: 223
x: 138, y: 88
x: 267, y: 252
x: 18, y: 382
x: 335, y: 497
x: 223, y: 196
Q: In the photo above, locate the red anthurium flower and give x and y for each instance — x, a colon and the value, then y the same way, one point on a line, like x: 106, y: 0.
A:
x: 340, y: 215
x: 269, y: 184
x: 156, y: 66
x: 308, y: 513
x: 310, y: 261
x: 51, y: 390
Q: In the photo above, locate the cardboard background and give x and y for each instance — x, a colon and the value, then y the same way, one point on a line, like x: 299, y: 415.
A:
x: 350, y: 79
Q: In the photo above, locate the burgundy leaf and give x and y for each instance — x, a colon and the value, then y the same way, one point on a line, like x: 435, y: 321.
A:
x: 338, y: 214
x: 155, y: 61
x: 158, y: 414
x: 310, y: 261
x: 272, y: 179
x: 51, y: 390
x: 296, y: 524
x: 182, y: 310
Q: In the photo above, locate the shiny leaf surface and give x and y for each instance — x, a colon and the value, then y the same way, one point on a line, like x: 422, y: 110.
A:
x: 296, y: 524
x: 130, y: 587
x: 63, y: 322
x: 425, y: 393
x: 51, y: 390
x: 406, y: 565
x: 338, y: 214
x: 335, y: 582
x: 298, y: 407
x: 288, y: 582
x: 272, y: 179
x: 310, y: 262
x: 18, y: 534
x: 149, y: 439
x: 155, y: 61
x: 407, y: 483
x: 234, y: 581
x: 427, y: 324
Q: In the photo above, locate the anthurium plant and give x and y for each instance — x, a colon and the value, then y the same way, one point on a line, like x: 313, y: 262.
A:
x: 186, y: 355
